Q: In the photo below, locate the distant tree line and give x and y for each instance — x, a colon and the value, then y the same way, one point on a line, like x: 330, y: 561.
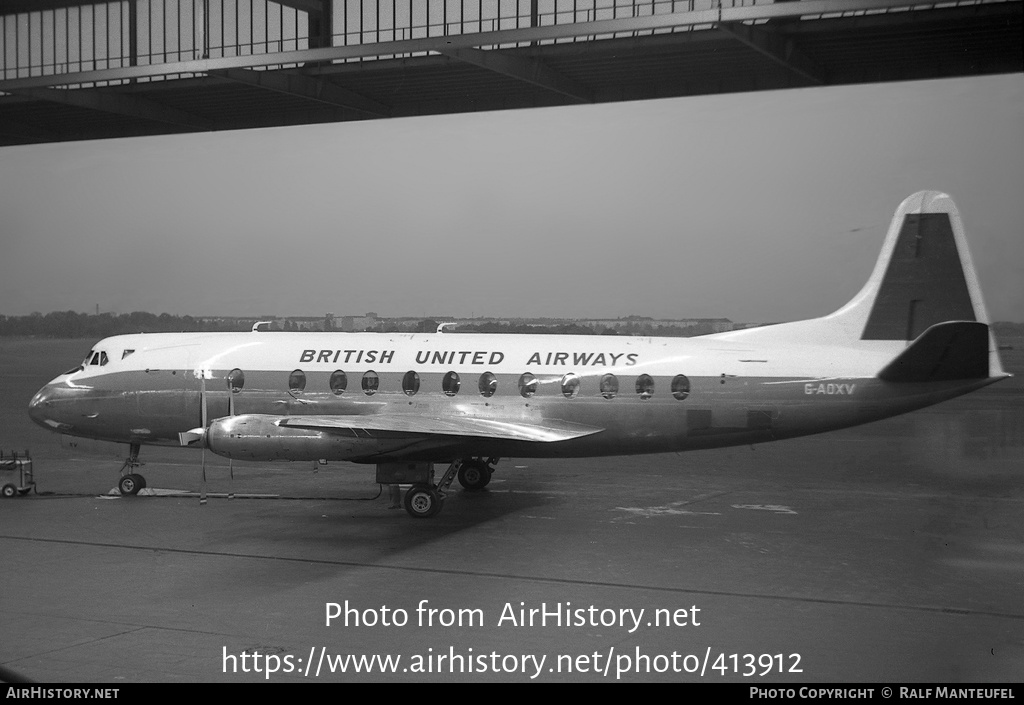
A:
x: 69, y: 324
x: 555, y: 329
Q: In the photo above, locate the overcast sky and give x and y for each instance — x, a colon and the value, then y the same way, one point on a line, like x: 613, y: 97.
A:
x: 763, y: 206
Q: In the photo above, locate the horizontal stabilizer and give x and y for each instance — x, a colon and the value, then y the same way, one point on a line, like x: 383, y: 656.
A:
x: 547, y: 431
x: 946, y: 351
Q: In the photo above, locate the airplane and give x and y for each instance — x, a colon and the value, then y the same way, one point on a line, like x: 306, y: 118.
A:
x: 916, y: 334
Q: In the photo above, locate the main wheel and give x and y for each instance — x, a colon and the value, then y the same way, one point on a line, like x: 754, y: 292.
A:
x: 9, y: 490
x: 422, y: 502
x: 131, y: 484
x: 474, y: 475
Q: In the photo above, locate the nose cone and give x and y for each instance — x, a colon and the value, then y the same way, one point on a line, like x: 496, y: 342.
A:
x: 37, y: 407
x: 41, y: 409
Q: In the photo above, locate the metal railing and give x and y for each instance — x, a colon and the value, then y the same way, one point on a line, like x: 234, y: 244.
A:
x: 122, y: 33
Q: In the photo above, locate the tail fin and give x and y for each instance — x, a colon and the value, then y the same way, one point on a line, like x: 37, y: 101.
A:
x: 923, y: 281
x: 924, y: 275
x: 928, y: 276
x: 924, y: 289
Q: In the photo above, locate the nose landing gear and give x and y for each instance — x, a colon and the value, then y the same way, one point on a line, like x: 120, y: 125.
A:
x: 131, y: 482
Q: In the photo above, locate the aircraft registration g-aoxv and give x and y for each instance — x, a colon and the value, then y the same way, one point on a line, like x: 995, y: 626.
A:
x: 915, y: 335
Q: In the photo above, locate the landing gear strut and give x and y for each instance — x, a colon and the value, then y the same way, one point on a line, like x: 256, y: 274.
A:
x: 131, y: 482
x: 425, y: 500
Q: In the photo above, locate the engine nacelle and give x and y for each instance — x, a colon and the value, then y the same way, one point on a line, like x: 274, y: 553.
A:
x: 259, y: 437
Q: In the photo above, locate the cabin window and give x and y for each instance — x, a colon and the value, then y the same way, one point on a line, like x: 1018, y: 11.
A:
x: 296, y: 382
x: 338, y: 382
x: 370, y: 383
x: 570, y: 386
x: 609, y: 386
x: 527, y: 385
x: 236, y: 380
x: 451, y: 383
x: 645, y: 386
x: 488, y: 384
x: 680, y: 387
x: 410, y: 383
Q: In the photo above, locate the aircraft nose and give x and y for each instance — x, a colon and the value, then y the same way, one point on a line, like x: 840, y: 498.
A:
x: 37, y: 407
x: 41, y: 410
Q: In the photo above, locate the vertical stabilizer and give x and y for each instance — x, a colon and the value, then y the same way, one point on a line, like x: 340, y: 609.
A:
x: 924, y: 275
x: 923, y: 281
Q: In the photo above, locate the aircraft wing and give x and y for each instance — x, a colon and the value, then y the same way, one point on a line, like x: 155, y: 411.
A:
x: 546, y: 431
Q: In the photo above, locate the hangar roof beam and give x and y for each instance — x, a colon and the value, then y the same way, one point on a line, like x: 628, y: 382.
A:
x: 680, y: 20
x: 779, y: 49
x: 110, y: 101
x: 306, y: 87
x: 529, y: 70
x: 13, y: 128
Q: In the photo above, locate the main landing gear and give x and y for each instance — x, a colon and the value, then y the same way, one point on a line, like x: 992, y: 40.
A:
x: 475, y: 473
x: 132, y: 482
x: 426, y: 500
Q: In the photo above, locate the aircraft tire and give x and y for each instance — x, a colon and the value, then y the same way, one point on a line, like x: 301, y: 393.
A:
x: 130, y: 484
x: 422, y: 502
x: 9, y: 491
x: 474, y: 476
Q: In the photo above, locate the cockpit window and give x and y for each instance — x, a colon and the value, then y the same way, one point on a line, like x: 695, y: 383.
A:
x: 82, y: 366
x: 126, y: 353
x: 95, y: 359
x: 103, y: 358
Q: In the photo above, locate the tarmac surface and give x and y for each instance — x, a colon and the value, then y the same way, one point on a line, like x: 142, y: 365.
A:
x: 892, y: 552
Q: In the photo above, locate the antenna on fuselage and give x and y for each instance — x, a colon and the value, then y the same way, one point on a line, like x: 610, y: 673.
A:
x: 442, y: 326
x: 257, y: 324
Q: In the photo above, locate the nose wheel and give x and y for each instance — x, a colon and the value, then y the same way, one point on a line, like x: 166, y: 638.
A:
x: 131, y: 482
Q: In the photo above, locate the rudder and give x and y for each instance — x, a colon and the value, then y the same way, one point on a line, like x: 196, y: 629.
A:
x: 923, y: 276
x: 924, y: 283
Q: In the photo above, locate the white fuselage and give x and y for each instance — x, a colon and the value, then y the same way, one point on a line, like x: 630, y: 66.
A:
x: 629, y: 394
